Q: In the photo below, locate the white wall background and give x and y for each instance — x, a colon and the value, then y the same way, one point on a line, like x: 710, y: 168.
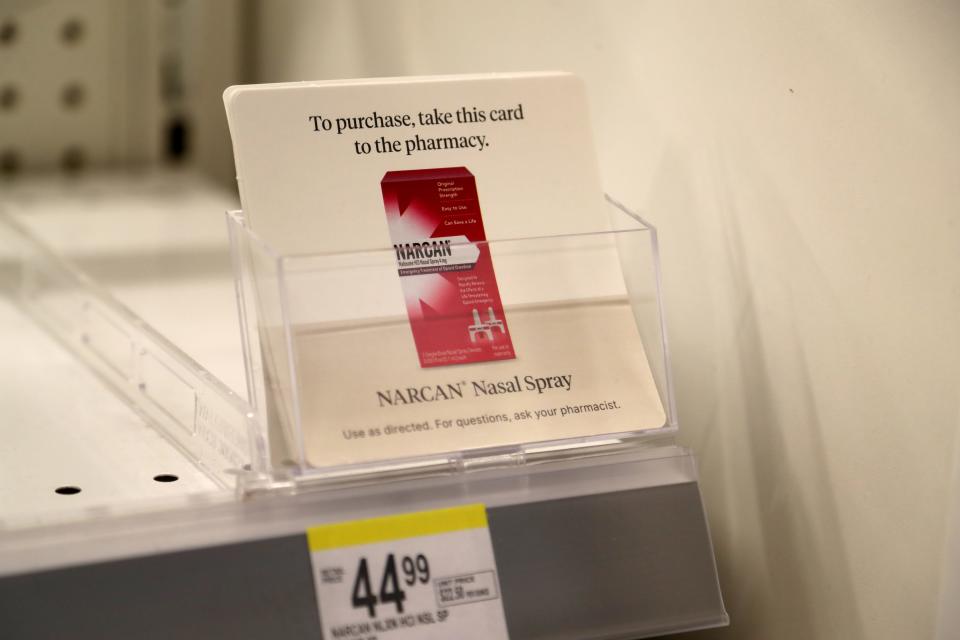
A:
x: 802, y: 161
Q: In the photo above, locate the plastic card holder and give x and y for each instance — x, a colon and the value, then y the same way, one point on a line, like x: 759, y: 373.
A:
x: 334, y: 377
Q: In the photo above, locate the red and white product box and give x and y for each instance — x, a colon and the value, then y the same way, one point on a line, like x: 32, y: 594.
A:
x: 449, y: 285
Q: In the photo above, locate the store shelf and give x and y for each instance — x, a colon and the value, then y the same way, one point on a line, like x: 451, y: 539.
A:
x: 619, y: 549
x: 129, y: 374
x: 63, y: 428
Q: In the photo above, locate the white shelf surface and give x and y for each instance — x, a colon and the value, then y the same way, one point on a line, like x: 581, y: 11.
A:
x: 62, y: 427
x: 157, y: 243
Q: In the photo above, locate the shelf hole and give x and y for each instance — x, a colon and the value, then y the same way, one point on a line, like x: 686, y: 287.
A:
x: 73, y: 159
x: 67, y: 491
x: 166, y: 477
x: 8, y: 32
x: 73, y: 95
x: 72, y: 31
x: 9, y: 97
x: 9, y: 162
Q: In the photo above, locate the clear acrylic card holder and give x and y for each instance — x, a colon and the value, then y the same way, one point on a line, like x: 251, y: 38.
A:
x: 324, y: 333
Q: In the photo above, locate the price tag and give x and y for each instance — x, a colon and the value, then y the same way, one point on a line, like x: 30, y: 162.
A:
x: 421, y: 575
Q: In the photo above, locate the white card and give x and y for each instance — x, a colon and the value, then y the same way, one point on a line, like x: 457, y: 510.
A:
x: 500, y: 157
x: 413, y: 576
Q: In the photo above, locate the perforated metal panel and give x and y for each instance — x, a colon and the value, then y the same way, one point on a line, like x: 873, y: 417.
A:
x: 91, y: 83
x: 55, y: 78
